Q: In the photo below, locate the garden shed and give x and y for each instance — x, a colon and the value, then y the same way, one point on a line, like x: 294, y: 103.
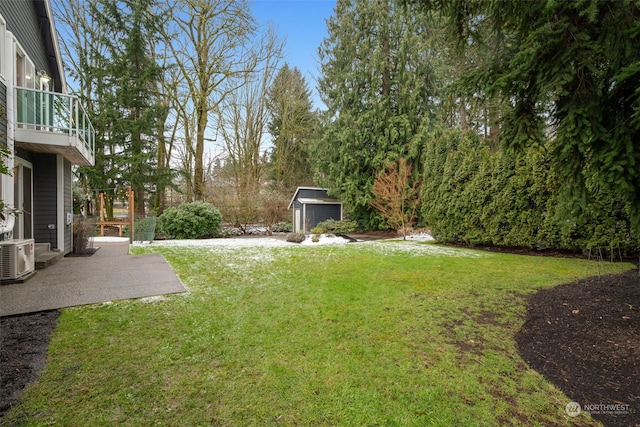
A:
x: 311, y: 206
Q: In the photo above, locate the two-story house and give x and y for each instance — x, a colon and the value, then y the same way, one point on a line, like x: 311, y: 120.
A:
x: 45, y: 129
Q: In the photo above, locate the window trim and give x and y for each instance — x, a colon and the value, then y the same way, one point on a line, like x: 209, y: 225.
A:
x: 27, y: 65
x: 3, y: 49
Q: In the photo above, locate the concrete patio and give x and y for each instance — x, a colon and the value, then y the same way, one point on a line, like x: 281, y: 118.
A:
x: 109, y: 274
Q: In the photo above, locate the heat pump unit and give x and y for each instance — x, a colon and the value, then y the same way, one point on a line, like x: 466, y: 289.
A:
x: 17, y: 259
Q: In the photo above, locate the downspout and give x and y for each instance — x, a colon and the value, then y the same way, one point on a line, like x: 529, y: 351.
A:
x: 8, y: 187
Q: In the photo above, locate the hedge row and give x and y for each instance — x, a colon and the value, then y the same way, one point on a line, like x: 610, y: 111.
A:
x: 472, y: 195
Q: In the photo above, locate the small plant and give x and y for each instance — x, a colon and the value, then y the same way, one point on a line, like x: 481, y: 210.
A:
x: 194, y: 220
x: 296, y: 237
x: 145, y: 229
x: 83, y: 229
x: 315, y: 238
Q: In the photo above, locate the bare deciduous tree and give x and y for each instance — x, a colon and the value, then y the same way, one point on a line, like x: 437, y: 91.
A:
x: 243, y: 119
x: 209, y: 45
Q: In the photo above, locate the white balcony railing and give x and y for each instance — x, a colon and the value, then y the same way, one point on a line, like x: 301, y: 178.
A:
x: 56, y: 114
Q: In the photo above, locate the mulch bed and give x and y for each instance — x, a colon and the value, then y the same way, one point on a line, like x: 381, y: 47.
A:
x: 584, y: 337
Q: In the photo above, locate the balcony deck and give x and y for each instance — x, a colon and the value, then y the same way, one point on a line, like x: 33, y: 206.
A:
x: 49, y: 122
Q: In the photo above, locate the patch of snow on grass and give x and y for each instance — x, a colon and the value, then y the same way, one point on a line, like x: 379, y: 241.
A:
x: 417, y: 248
x: 421, y: 237
x: 236, y: 243
x: 324, y: 239
x: 238, y: 253
x: 152, y: 299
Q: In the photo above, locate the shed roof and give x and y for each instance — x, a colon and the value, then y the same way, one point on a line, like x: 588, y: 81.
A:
x: 313, y: 200
x: 317, y: 201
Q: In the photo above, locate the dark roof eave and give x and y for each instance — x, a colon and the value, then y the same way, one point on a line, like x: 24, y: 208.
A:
x: 47, y: 38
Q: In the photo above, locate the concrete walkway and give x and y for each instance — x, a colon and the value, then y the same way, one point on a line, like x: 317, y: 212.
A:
x: 108, y: 275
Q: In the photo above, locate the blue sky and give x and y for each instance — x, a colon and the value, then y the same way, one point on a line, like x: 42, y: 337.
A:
x: 302, y: 24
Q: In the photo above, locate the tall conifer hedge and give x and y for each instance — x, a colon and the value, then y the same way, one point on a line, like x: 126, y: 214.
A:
x: 472, y: 195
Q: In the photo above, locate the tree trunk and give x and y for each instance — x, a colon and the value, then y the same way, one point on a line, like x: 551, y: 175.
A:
x: 198, y: 170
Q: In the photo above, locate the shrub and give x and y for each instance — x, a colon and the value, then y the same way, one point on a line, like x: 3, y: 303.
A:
x: 296, y: 237
x: 194, y: 220
x: 282, y: 227
x: 273, y: 209
x: 331, y: 226
x: 317, y: 230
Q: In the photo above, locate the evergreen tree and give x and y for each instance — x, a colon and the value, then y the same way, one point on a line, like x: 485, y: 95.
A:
x: 571, y: 71
x: 109, y: 44
x: 378, y: 84
x: 131, y: 76
x: 290, y: 125
x: 86, y: 55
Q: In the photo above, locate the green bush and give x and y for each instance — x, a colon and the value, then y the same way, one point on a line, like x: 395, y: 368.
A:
x: 194, y: 220
x: 296, y: 237
x: 331, y: 226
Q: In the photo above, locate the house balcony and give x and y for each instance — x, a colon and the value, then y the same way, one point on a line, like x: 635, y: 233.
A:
x: 50, y: 122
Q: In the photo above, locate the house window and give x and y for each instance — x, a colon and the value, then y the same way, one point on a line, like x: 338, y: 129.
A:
x: 20, y: 59
x: 25, y: 70
x: 26, y: 102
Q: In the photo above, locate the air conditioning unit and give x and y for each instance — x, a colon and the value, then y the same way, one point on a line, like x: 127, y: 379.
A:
x: 17, y: 258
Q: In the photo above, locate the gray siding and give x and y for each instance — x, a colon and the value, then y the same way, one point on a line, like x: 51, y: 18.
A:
x: 3, y: 114
x: 27, y: 21
x: 44, y: 198
x: 314, y: 194
x: 318, y: 213
x: 68, y: 207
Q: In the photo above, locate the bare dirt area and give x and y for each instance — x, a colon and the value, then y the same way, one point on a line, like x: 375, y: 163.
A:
x: 584, y: 337
x: 24, y: 340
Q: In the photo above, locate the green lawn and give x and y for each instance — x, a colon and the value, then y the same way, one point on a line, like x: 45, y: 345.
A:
x: 376, y: 334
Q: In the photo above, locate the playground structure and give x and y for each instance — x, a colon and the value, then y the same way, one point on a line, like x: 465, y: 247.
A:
x: 130, y: 221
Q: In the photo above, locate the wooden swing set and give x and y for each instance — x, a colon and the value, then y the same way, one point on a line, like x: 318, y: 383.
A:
x: 121, y: 223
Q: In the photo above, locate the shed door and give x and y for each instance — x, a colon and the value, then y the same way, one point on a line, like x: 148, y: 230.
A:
x: 297, y: 220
